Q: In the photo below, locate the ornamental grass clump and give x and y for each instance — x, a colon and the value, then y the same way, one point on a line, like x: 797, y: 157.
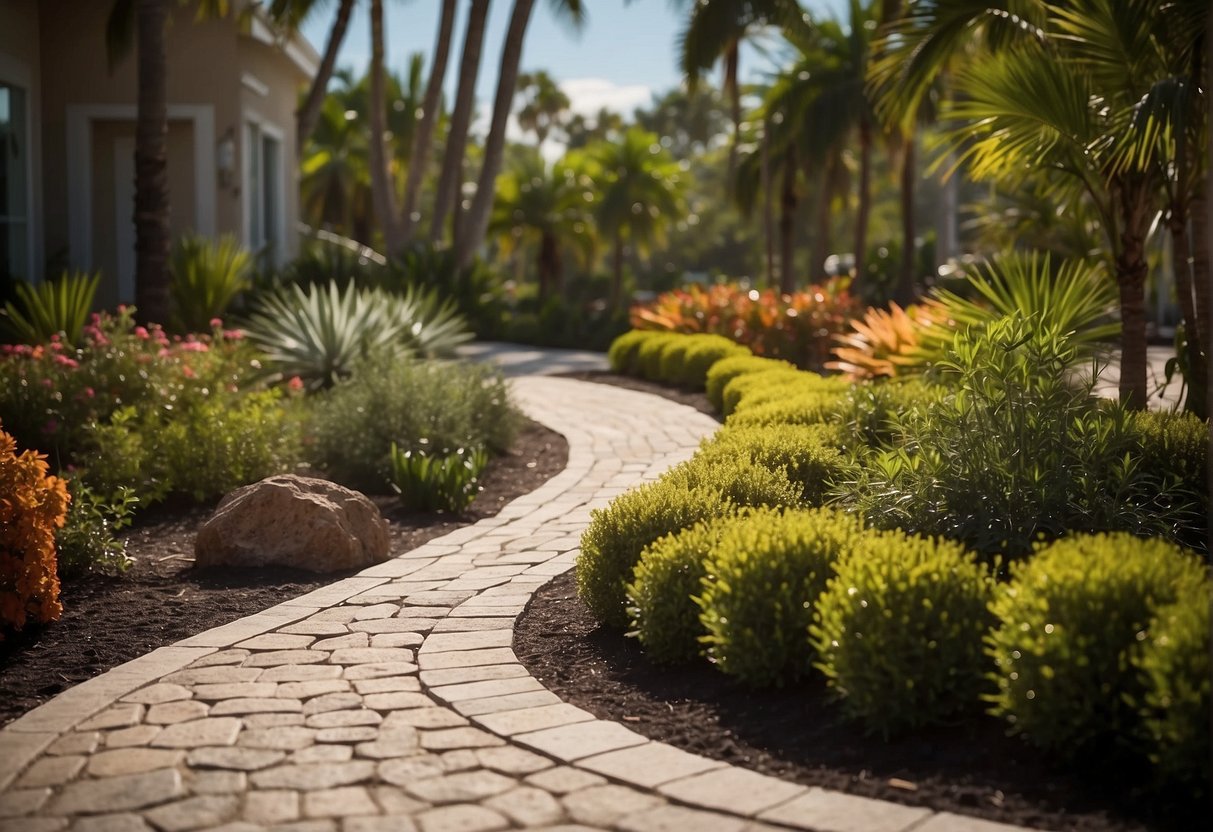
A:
x: 685, y: 495
x: 33, y: 506
x: 810, y: 454
x: 763, y: 581
x: 898, y: 631
x: 1068, y: 624
x: 727, y: 369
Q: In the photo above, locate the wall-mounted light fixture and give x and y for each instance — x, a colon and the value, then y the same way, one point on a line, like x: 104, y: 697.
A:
x: 225, y: 158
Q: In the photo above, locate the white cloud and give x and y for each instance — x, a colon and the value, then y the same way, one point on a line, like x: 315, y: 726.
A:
x: 589, y: 95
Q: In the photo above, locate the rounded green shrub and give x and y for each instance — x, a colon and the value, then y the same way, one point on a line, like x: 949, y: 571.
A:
x: 808, y: 382
x: 727, y: 369
x: 1173, y: 444
x: 621, y: 355
x: 664, y: 615
x: 672, y: 364
x: 685, y: 495
x: 704, y: 352
x: 651, y: 352
x: 1067, y: 623
x: 1173, y: 666
x: 898, y: 630
x: 742, y: 385
x: 763, y: 582
x: 810, y: 454
x: 798, y: 409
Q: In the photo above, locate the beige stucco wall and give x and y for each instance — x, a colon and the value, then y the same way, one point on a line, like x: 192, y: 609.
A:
x: 19, y: 65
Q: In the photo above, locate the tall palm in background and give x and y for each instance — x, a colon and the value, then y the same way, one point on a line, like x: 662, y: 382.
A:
x: 292, y: 13
x: 382, y: 191
x: 471, y: 230
x: 543, y: 104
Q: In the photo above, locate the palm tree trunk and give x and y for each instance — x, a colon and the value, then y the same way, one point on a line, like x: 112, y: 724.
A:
x: 549, y: 266
x: 1131, y: 272
x: 732, y: 65
x: 309, y: 111
x: 151, y: 164
x: 768, y: 221
x: 905, y: 282
x: 450, y: 179
x: 787, y: 217
x: 475, y: 225
x: 1197, y: 376
x: 1198, y: 209
x: 865, y: 201
x: 617, y: 271
x: 424, y: 136
x: 382, y: 191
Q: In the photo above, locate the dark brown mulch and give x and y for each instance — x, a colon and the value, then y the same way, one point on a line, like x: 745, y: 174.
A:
x: 797, y: 734
x: 162, y: 599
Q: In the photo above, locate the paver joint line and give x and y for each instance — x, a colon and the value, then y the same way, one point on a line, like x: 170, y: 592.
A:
x: 393, y: 698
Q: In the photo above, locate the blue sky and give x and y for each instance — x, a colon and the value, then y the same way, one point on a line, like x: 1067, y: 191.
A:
x: 623, y: 54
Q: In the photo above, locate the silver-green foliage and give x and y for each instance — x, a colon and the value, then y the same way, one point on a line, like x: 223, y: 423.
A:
x: 762, y: 585
x: 319, y: 333
x: 1068, y: 623
x: 443, y: 481
x: 205, y: 276
x: 685, y: 495
x: 52, y: 307
x: 898, y: 630
x: 418, y: 405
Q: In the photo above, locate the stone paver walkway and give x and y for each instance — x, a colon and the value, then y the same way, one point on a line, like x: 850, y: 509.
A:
x: 392, y: 700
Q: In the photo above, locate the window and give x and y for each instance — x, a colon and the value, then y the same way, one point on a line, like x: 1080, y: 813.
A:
x: 263, y: 185
x: 14, y: 187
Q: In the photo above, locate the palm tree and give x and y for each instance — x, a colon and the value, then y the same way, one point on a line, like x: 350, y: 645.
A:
x: 581, y: 130
x: 382, y: 189
x: 151, y: 163
x: 543, y: 103
x: 549, y: 208
x: 450, y: 178
x: 335, y: 168
x: 424, y: 135
x: 471, y: 231
x: 640, y: 193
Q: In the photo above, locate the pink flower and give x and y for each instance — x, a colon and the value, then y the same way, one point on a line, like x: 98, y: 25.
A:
x: 64, y: 361
x: 295, y: 383
x: 89, y: 392
x: 141, y: 333
x: 55, y: 338
x: 216, y: 323
x: 47, y: 383
x: 233, y: 334
x: 194, y: 346
x: 164, y: 353
x: 188, y: 371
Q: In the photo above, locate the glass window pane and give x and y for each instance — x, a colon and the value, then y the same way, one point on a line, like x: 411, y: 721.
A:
x: 14, y: 186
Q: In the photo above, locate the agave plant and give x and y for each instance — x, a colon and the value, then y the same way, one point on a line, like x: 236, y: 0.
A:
x: 319, y: 333
x: 55, y: 307
x: 205, y: 277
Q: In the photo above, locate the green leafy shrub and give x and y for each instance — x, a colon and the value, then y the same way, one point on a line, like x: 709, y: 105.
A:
x: 121, y: 456
x: 1172, y: 663
x: 649, y: 354
x: 898, y: 631
x: 621, y: 355
x: 809, y: 454
x: 762, y: 388
x: 727, y: 369
x: 205, y: 276
x: 1174, y: 445
x: 740, y: 386
x: 86, y: 543
x: 1068, y: 622
x: 798, y: 409
x: 663, y: 612
x: 873, y: 411
x: 52, y: 308
x: 766, y: 574
x: 673, y: 360
x: 415, y: 404
x: 685, y: 495
x: 703, y: 354
x: 446, y: 481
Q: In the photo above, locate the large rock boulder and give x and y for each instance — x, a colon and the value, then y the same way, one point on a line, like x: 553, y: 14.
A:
x: 294, y: 521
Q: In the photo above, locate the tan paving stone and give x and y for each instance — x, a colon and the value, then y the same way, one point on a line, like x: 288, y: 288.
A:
x: 158, y: 693
x: 311, y: 627
x: 461, y: 819
x: 564, y: 779
x: 948, y: 822
x: 170, y: 713
x: 395, y: 742
x: 432, y: 717
x: 444, y: 739
x: 603, y: 805
x: 733, y: 790
x: 255, y: 721
x: 314, y: 775
x: 347, y: 801
x: 235, y: 690
x: 289, y: 738
x: 510, y: 760
x: 317, y: 825
x: 32, y: 824
x: 129, y: 737
x: 115, y: 716
x: 397, y: 700
x: 304, y: 673
x: 390, y: 823
x: 465, y: 624
x: 466, y: 658
x: 387, y: 684
x: 277, y: 641
x: 50, y: 771
x: 822, y: 810
x: 344, y: 641
x: 462, y: 787
x: 328, y: 753
x: 370, y: 655
x: 378, y: 670
x: 525, y: 720
x: 235, y: 758
x: 119, y: 794
x: 393, y: 640
x: 271, y: 806
x: 581, y: 739
x: 405, y: 770
x: 202, y: 811
x: 240, y: 707
x: 649, y: 765
x: 217, y: 782
x: 678, y: 819
x: 344, y: 719
x: 213, y: 675
x: 459, y: 759
x: 352, y: 733
x: 132, y: 761
x: 376, y: 611
x: 491, y: 688
x: 18, y: 802
x: 77, y: 742
x: 527, y: 806
x: 308, y: 690
x: 394, y: 625
x: 277, y: 658
x: 482, y: 673
x: 474, y: 640
x: 393, y: 801
x: 510, y: 702
x: 199, y: 732
x: 340, y: 701
x: 228, y: 656
x: 126, y: 822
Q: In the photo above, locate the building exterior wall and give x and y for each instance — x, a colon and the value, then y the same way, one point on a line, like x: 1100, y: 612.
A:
x: 20, y: 61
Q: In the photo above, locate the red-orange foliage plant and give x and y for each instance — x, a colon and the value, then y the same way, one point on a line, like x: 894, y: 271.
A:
x: 32, y: 505
x: 799, y: 327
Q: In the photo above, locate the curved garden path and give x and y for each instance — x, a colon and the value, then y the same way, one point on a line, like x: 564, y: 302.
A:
x: 392, y: 700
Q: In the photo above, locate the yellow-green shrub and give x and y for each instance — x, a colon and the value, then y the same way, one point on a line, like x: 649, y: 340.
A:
x: 765, y: 576
x: 688, y: 364
x: 1173, y: 445
x: 898, y: 630
x: 808, y: 382
x: 621, y: 355
x: 1173, y: 666
x: 742, y: 385
x: 727, y: 369
x: 684, y: 496
x: 665, y: 617
x: 1067, y: 623
x: 810, y: 454
x: 33, y: 505
x: 798, y: 409
x: 651, y: 351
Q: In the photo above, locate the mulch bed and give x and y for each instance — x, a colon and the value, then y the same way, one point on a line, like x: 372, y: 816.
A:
x: 162, y: 598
